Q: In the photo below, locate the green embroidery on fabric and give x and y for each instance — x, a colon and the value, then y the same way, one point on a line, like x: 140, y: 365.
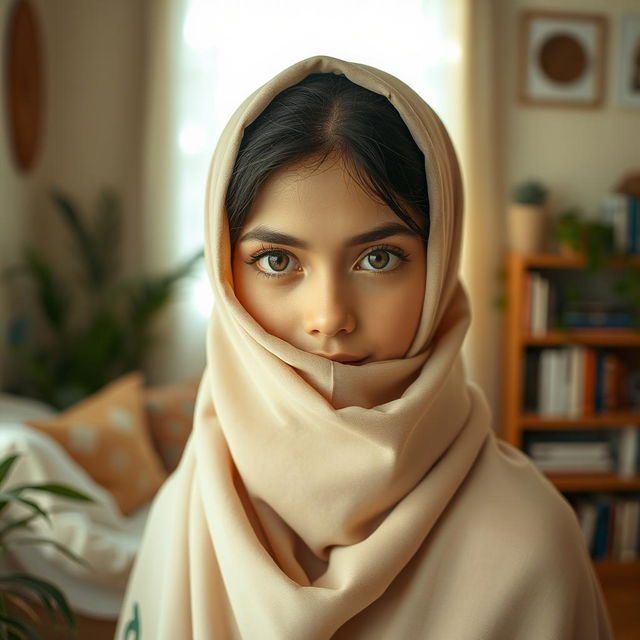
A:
x: 132, y: 630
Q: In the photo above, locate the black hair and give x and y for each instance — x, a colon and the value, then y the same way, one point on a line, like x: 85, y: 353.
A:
x: 323, y: 114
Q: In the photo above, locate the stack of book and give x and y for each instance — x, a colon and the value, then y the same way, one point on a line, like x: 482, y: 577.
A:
x: 567, y: 457
x: 610, y: 526
x: 540, y: 310
x: 574, y: 456
x: 574, y: 381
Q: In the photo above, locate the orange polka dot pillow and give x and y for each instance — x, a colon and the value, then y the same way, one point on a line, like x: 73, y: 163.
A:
x: 107, y: 434
x: 170, y: 415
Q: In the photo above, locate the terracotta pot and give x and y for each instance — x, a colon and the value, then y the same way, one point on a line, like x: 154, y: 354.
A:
x: 527, y: 225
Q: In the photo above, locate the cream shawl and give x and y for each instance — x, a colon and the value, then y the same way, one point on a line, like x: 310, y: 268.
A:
x: 318, y: 500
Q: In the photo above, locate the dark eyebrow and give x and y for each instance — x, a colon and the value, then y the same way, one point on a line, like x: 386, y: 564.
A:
x: 266, y: 234
x: 381, y: 232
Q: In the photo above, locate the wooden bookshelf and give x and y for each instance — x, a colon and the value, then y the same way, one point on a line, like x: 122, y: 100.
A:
x: 593, y: 482
x: 611, y: 419
x: 609, y: 571
x: 516, y: 421
x: 595, y: 337
x: 561, y: 261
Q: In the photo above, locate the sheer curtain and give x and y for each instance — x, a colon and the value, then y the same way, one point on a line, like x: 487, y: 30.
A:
x: 206, y: 56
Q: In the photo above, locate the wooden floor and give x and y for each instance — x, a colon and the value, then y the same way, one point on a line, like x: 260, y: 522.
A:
x: 88, y: 628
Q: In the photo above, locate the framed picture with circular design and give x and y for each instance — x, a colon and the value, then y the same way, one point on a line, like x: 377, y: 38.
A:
x: 561, y: 59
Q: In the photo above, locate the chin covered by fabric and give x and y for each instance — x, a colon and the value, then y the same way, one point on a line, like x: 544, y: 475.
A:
x: 317, y: 500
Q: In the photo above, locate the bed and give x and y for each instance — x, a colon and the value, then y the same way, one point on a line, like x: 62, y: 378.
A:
x: 98, y: 532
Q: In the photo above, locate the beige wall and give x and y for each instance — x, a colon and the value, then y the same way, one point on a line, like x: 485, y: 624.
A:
x: 94, y: 72
x: 14, y: 190
x: 580, y: 153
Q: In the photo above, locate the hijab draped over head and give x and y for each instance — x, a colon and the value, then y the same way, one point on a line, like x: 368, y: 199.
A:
x: 319, y: 500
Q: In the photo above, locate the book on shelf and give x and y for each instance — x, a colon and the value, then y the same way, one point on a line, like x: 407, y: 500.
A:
x: 625, y: 535
x: 628, y: 448
x: 604, y: 466
x: 572, y: 451
x: 622, y: 212
x: 541, y: 310
x: 539, y: 304
x: 610, y: 526
x: 594, y: 319
x: 574, y: 381
x: 612, y: 451
x: 576, y: 457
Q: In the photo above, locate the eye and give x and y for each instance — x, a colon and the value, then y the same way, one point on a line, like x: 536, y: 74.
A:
x: 273, y: 262
x: 382, y: 259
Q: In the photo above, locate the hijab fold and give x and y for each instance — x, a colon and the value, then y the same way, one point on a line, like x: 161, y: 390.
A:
x: 318, y: 500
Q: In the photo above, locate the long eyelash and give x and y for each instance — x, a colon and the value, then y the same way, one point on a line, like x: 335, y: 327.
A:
x: 270, y: 249
x: 263, y: 251
x: 396, y: 251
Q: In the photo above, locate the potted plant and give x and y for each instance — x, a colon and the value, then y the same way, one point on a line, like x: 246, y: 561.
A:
x: 19, y: 590
x: 578, y: 236
x: 527, y: 217
x: 97, y: 325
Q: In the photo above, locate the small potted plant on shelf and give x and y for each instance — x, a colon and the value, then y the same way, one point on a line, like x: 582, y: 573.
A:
x: 578, y: 236
x: 568, y: 232
x: 527, y: 217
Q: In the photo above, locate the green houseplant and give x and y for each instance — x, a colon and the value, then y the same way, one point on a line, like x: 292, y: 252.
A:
x: 527, y: 217
x: 530, y: 192
x: 18, y: 590
x: 628, y: 287
x: 592, y: 238
x: 98, y: 325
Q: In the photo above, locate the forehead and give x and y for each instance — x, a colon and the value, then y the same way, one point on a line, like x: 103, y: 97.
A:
x: 326, y: 198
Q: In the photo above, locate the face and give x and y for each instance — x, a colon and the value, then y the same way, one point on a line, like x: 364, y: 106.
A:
x: 321, y: 264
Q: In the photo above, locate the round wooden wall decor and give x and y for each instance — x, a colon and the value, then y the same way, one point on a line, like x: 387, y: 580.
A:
x: 24, y: 84
x: 563, y: 58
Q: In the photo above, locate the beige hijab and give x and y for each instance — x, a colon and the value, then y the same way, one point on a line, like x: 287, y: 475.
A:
x: 318, y: 500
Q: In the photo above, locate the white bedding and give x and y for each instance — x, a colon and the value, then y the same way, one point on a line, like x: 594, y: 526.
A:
x: 96, y: 532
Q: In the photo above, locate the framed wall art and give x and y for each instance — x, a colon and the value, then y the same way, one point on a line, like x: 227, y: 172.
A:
x: 628, y: 75
x: 561, y: 59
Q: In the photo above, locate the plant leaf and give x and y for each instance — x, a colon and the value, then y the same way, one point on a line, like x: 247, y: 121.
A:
x: 20, y: 602
x: 60, y: 547
x: 70, y: 214
x: 107, y: 231
x: 22, y: 628
x: 7, y: 497
x: 47, y: 592
x: 18, y: 524
x: 53, y: 297
x: 6, y: 465
x: 55, y: 489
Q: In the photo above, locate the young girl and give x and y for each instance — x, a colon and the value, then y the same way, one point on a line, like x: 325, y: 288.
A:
x: 343, y: 479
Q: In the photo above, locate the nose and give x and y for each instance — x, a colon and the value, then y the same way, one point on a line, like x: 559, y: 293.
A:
x: 328, y: 309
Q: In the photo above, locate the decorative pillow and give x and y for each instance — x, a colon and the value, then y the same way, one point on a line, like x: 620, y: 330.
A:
x: 107, y: 435
x: 170, y: 417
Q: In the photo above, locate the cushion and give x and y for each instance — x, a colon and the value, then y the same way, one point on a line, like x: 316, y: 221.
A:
x: 170, y: 416
x: 107, y: 435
